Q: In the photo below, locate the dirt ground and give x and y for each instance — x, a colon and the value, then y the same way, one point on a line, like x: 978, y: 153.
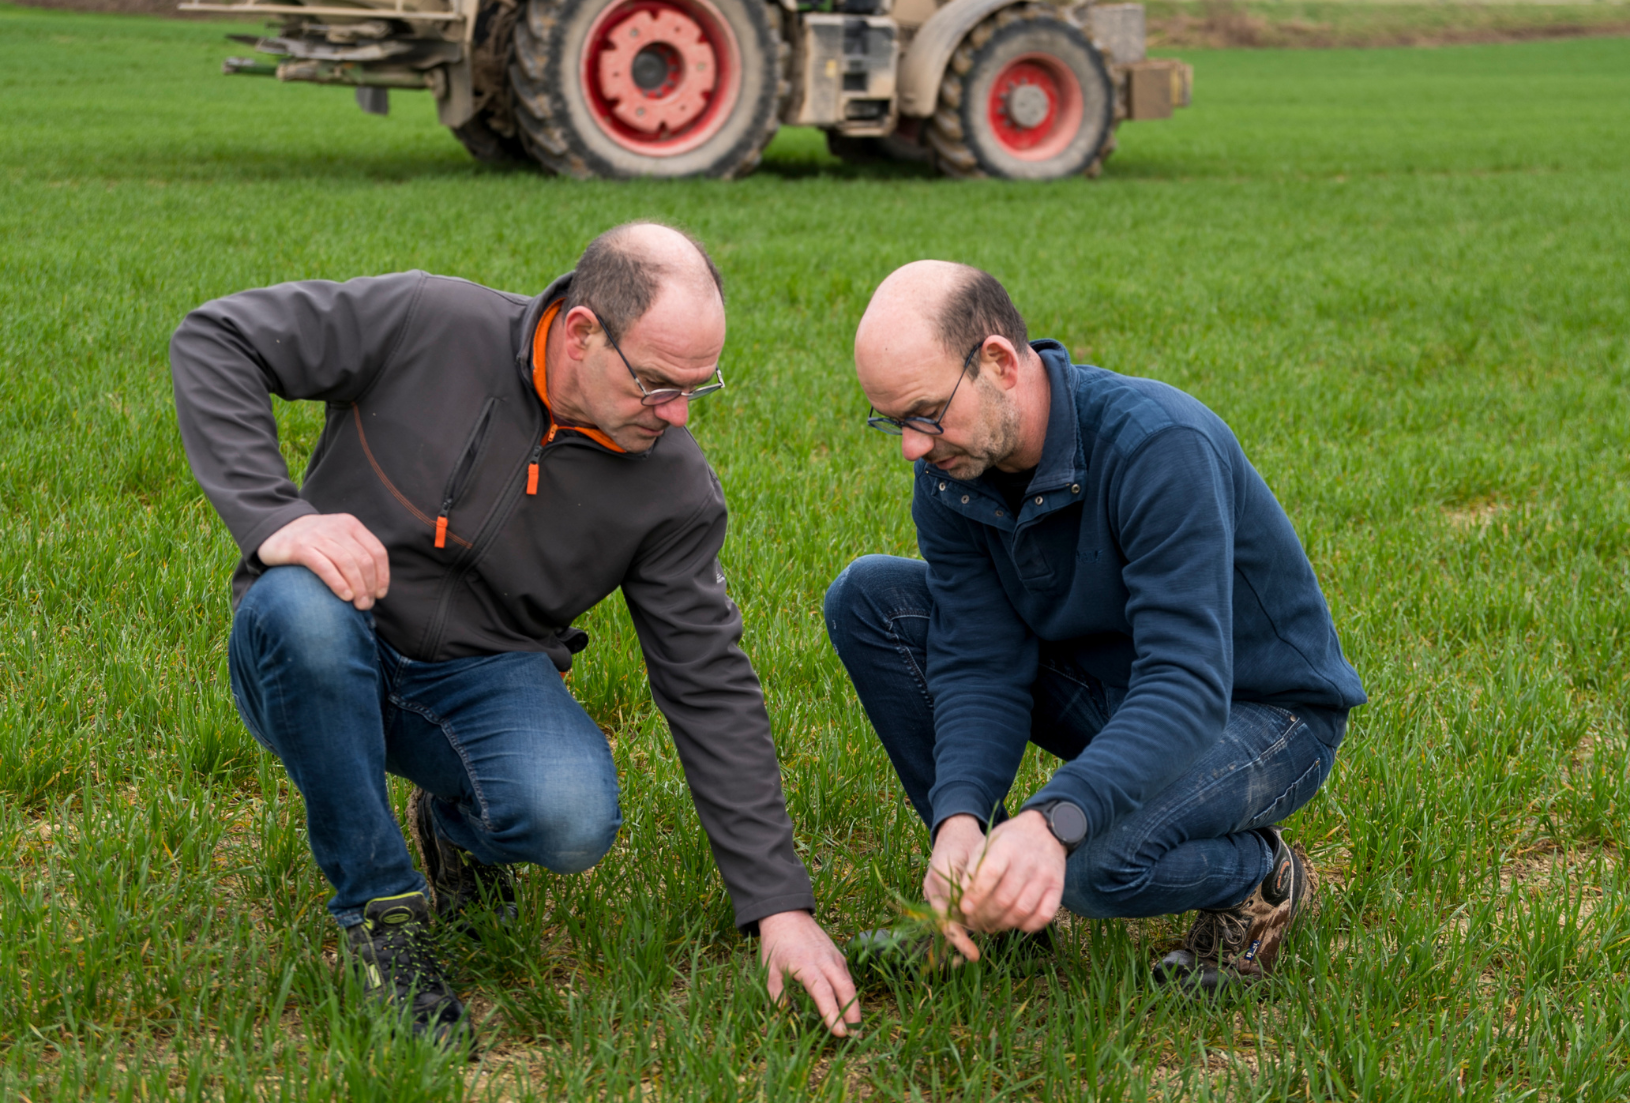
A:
x: 1223, y: 24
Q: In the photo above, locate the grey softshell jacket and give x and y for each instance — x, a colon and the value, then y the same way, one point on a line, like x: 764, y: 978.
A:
x: 432, y: 414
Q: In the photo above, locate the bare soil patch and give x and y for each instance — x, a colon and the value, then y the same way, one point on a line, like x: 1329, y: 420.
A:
x: 1231, y: 24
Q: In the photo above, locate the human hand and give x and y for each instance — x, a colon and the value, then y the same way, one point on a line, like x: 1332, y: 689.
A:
x: 956, y: 849
x: 792, y: 944
x: 1019, y: 881
x: 338, y: 549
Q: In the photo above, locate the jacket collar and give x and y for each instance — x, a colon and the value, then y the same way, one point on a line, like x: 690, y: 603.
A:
x: 529, y: 347
x: 523, y: 337
x: 1061, y: 460
x: 1060, y: 473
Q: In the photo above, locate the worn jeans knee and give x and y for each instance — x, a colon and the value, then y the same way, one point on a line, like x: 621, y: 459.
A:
x: 522, y: 773
x: 562, y: 831
x: 1195, y: 843
x: 869, y: 595
x: 294, y: 641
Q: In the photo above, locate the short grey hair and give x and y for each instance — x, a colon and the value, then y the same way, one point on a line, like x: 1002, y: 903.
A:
x: 619, y: 283
x: 979, y: 307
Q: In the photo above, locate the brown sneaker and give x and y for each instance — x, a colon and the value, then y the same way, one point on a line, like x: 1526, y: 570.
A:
x: 1240, y: 945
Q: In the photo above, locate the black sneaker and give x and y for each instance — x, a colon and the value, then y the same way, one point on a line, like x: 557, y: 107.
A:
x: 456, y: 878
x: 1240, y: 945
x: 391, y: 954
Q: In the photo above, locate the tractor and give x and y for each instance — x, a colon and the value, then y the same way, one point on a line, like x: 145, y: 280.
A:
x: 1016, y: 89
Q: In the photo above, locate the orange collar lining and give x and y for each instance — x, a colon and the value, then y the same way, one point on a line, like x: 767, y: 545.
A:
x: 540, y: 382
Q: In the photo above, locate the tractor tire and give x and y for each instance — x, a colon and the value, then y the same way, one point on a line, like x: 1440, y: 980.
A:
x: 491, y: 135
x: 627, y: 88
x: 1026, y: 96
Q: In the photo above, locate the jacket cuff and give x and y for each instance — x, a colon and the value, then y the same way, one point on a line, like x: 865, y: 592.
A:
x: 964, y: 800
x: 270, y: 523
x: 748, y: 915
x: 1064, y: 787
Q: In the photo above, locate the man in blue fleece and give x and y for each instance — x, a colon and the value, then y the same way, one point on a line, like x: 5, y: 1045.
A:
x: 1104, y: 574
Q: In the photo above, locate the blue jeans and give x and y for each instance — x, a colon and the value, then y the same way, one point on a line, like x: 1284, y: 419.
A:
x: 518, y: 771
x: 1193, y: 845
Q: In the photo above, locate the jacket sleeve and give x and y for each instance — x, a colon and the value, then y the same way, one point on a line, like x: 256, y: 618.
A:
x: 982, y: 659
x: 690, y: 633
x: 1173, y: 508
x: 310, y: 340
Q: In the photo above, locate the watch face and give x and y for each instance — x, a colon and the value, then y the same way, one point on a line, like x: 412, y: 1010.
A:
x: 1069, y: 823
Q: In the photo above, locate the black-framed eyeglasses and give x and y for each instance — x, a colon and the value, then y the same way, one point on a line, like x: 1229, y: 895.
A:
x: 662, y: 395
x: 896, y: 426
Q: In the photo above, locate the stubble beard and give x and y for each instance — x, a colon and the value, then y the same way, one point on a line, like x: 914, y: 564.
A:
x: 998, y: 436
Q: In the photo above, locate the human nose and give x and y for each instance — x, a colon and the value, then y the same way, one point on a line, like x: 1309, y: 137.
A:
x: 675, y: 411
x: 914, y: 445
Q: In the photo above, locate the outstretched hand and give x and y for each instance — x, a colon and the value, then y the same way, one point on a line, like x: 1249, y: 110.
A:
x: 793, y: 945
x: 338, y: 549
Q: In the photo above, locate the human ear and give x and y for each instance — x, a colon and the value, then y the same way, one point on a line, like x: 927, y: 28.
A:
x: 1004, y: 362
x: 578, y: 327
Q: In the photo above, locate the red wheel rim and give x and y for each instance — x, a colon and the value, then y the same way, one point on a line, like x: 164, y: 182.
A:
x: 661, y: 75
x: 1035, y: 107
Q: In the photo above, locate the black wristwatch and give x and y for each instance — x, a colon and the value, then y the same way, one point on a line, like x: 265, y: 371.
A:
x: 1066, y: 821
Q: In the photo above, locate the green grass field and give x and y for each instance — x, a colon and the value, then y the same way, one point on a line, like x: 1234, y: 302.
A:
x: 1400, y: 275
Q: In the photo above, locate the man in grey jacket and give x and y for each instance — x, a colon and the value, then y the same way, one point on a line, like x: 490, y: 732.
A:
x: 492, y: 466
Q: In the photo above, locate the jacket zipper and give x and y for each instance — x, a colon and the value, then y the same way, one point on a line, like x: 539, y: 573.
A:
x: 462, y: 470
x: 460, y: 567
x: 532, y: 465
x: 537, y: 452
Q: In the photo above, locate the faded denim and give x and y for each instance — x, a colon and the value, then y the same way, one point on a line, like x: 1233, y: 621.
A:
x: 519, y: 771
x: 1192, y: 846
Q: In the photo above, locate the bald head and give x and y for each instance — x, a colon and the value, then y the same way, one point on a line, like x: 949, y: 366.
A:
x: 630, y: 268
x: 932, y: 309
x: 901, y: 322
x: 930, y: 327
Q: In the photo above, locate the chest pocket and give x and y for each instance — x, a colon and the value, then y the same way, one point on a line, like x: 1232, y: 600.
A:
x: 459, y: 479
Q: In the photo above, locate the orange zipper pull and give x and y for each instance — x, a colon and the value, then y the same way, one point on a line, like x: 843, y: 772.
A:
x: 553, y: 429
x: 441, y: 531
x: 532, y: 467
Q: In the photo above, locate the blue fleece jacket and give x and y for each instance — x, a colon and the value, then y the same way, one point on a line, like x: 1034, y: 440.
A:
x: 1150, y: 552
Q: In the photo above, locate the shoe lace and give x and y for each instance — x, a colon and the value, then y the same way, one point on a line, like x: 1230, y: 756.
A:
x: 403, y: 955
x: 1215, y: 931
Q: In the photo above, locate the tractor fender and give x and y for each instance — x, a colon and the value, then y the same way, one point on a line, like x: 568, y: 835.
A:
x: 930, y: 51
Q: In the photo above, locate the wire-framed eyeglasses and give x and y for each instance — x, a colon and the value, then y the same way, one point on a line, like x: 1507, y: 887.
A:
x: 662, y: 395
x: 896, y: 426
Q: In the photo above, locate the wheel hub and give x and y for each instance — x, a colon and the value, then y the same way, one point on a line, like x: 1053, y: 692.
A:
x: 653, y: 67
x: 1027, y: 106
x: 658, y: 70
x: 1034, y: 107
